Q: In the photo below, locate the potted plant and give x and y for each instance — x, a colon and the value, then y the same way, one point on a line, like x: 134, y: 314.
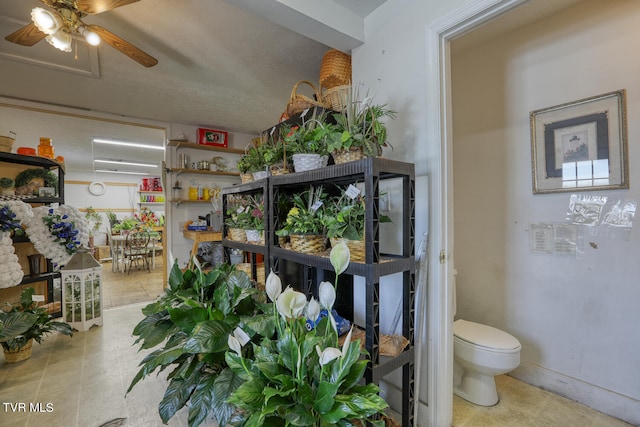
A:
x: 95, y: 221
x: 254, y: 220
x: 303, y: 223
x: 189, y: 326
x: 18, y: 347
x: 360, y: 129
x: 302, y: 376
x: 345, y: 220
x: 125, y: 225
x: 308, y: 143
x: 7, y: 187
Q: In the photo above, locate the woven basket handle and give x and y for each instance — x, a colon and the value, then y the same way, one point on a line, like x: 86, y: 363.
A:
x: 294, y: 94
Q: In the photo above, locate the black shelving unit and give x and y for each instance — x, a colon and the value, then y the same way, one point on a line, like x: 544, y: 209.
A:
x: 41, y: 162
x: 314, y: 268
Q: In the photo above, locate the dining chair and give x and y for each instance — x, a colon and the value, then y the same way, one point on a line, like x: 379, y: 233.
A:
x: 137, y: 248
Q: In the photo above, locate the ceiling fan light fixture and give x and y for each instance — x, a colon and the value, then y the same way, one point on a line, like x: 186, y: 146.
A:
x: 46, y: 21
x: 92, y: 38
x: 60, y: 40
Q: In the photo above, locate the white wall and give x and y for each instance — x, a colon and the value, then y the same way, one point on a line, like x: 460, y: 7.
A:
x: 576, y: 317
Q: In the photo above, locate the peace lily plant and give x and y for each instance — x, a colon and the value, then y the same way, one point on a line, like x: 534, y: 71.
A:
x: 302, y: 377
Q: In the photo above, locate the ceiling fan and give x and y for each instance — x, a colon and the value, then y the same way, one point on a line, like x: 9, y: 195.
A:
x: 63, y: 21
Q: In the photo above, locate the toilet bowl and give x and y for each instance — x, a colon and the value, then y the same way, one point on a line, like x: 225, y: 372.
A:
x: 481, y: 352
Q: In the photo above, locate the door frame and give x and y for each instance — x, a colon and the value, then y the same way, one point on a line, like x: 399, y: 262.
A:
x: 441, y: 302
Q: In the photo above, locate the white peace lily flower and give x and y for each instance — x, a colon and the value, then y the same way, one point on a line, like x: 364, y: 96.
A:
x: 273, y: 286
x: 340, y: 257
x: 327, y: 295
x: 291, y: 303
x: 241, y: 336
x: 234, y: 345
x: 313, y: 310
x: 328, y: 354
x: 347, y: 341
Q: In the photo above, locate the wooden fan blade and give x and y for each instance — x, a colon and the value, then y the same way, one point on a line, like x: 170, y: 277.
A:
x: 124, y: 46
x: 99, y: 6
x: 26, y: 36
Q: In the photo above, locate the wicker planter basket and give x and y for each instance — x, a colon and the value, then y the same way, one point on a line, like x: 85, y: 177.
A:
x: 298, y: 102
x: 350, y: 155
x: 6, y: 143
x: 356, y: 247
x: 307, y: 243
x: 20, y: 354
x: 337, y: 97
x: 246, y: 267
x: 246, y: 177
x: 335, y: 69
x: 305, y: 162
x: 237, y: 235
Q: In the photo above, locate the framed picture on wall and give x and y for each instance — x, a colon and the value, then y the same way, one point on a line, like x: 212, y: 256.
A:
x: 218, y: 138
x: 580, y: 145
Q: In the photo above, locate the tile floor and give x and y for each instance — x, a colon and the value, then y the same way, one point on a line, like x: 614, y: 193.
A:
x: 81, y: 381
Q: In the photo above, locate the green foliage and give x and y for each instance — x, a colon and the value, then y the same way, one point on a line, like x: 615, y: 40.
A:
x: 6, y: 182
x: 190, y: 324
x: 300, y: 377
x: 27, y: 175
x: 127, y: 223
x: 306, y: 215
x: 14, y: 336
x: 360, y: 125
x: 94, y: 218
x: 311, y: 137
x: 345, y: 217
x: 246, y: 213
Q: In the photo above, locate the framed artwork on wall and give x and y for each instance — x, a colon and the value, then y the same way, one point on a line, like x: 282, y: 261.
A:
x: 218, y: 138
x: 580, y: 145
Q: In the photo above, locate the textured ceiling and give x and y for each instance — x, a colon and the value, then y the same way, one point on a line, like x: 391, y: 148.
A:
x: 219, y: 65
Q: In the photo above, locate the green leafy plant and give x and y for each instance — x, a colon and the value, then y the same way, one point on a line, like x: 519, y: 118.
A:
x: 246, y: 213
x: 27, y: 175
x: 302, y: 377
x: 7, y: 182
x: 94, y: 218
x: 190, y: 324
x: 306, y: 215
x: 311, y: 137
x: 345, y: 217
x: 359, y: 125
x: 127, y: 223
x: 25, y: 312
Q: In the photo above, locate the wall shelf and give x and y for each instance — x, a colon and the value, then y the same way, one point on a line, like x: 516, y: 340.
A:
x: 192, y: 145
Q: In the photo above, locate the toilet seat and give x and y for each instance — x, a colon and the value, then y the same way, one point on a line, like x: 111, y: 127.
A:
x: 485, y: 336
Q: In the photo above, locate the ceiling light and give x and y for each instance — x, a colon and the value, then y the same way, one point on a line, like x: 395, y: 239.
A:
x: 122, y: 172
x: 92, y: 38
x: 121, y: 162
x: 45, y: 21
x: 126, y: 144
x: 60, y: 40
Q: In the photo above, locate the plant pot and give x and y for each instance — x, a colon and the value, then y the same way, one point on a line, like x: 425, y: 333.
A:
x: 18, y: 355
x: 237, y: 235
x: 350, y: 155
x: 356, y: 247
x: 304, y: 162
x: 260, y: 175
x: 7, y: 191
x: 246, y: 177
x: 255, y: 236
x: 34, y: 264
x: 307, y: 243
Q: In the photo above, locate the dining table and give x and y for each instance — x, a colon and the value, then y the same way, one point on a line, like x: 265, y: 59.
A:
x: 118, y: 244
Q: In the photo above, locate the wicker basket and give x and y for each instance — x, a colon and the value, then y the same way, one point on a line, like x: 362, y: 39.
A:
x: 337, y: 97
x: 246, y: 177
x: 350, y: 155
x: 335, y: 69
x: 307, y: 243
x: 246, y: 267
x: 237, y: 235
x: 14, y: 356
x: 298, y: 103
x: 356, y: 247
x: 305, y: 162
x: 6, y: 143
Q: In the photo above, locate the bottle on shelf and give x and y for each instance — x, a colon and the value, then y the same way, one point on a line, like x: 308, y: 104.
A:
x: 45, y: 149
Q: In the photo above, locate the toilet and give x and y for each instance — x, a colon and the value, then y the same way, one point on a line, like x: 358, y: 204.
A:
x: 480, y: 352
